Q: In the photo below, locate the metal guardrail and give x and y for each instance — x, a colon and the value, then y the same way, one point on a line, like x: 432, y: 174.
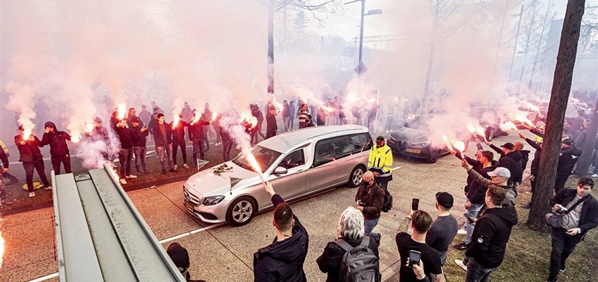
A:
x: 100, y: 235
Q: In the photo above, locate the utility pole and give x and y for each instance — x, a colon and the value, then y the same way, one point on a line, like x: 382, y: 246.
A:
x: 270, y: 46
x: 361, y: 68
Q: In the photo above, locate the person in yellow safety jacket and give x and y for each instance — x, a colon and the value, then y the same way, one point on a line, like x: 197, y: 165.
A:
x: 380, y: 162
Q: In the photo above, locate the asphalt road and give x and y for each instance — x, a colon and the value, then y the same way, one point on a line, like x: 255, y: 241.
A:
x: 224, y: 252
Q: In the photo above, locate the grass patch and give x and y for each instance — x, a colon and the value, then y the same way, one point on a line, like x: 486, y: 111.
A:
x: 528, y: 252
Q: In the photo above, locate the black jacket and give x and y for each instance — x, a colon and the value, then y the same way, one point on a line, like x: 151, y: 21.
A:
x: 178, y: 132
x: 138, y: 137
x: 536, y: 160
x: 282, y: 261
x: 476, y: 192
x: 159, y: 138
x: 124, y: 136
x: 330, y: 261
x: 567, y: 160
x: 196, y: 130
x: 512, y: 161
x: 29, y: 151
x: 524, y: 159
x: 589, y: 211
x: 490, y: 236
x: 56, y: 140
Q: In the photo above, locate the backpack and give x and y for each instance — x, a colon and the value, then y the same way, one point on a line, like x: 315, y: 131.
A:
x: 359, y: 263
x: 387, y: 202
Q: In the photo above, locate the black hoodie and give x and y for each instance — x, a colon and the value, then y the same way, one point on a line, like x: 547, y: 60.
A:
x: 567, y: 160
x: 512, y: 161
x: 490, y: 236
x: 57, y: 140
x: 282, y: 261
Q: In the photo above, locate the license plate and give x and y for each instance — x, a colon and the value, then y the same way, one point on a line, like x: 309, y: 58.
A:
x: 414, y: 151
x: 189, y: 207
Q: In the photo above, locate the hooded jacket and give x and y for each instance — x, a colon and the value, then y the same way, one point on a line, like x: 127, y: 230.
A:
x: 512, y: 161
x: 138, y: 137
x: 282, y: 261
x: 567, y: 160
x: 57, y: 140
x: 124, y: 135
x: 524, y: 159
x: 490, y: 236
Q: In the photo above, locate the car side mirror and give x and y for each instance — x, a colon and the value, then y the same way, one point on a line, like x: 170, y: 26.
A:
x: 280, y: 170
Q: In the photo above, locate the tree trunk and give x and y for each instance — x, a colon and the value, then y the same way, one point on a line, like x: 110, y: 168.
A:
x: 561, y: 87
x: 270, y: 46
x: 586, y: 157
x: 426, y: 95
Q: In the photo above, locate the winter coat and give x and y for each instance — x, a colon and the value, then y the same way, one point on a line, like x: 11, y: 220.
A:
x: 490, y: 236
x: 196, y: 130
x: 567, y: 160
x: 330, y: 261
x: 476, y: 193
x: 524, y: 159
x: 124, y: 136
x: 159, y: 138
x: 589, y: 211
x: 510, y: 187
x: 178, y: 132
x: 56, y: 140
x: 372, y: 201
x: 282, y: 261
x: 536, y: 160
x: 29, y: 151
x: 139, y: 137
x: 512, y: 161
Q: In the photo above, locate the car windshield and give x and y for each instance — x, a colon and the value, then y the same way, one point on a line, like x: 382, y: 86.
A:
x: 264, y: 156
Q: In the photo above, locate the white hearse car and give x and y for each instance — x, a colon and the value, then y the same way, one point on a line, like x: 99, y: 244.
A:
x: 298, y: 164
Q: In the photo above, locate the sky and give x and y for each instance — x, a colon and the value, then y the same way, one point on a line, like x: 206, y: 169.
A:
x: 72, y: 60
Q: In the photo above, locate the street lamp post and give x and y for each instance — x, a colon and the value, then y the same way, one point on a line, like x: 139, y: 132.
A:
x: 361, y: 68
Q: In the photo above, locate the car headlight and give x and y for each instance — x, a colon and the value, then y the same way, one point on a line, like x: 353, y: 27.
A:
x: 213, y: 200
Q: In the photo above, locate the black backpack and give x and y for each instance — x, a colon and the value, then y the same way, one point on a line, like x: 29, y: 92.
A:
x: 359, y: 263
x: 387, y: 202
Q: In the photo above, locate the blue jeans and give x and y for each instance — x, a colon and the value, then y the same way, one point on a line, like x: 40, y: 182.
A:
x: 140, y: 157
x: 477, y: 273
x: 369, y: 226
x: 165, y: 153
x: 473, y: 211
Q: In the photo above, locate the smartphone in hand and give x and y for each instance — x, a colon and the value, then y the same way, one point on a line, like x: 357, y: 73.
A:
x: 414, y: 204
x: 466, y: 215
x: 414, y: 257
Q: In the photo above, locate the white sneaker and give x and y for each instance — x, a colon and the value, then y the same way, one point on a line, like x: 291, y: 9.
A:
x: 594, y: 175
x: 131, y: 176
x: 176, y: 167
x: 462, y: 232
x: 31, y: 194
x: 460, y: 263
x: 49, y: 188
x: 185, y: 166
x: 123, y: 181
x: 217, y: 144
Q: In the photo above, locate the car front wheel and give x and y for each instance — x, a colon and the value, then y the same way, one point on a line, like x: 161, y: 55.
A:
x: 356, y: 175
x: 241, y: 211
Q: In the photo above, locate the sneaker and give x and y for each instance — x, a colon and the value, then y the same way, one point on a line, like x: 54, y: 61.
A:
x: 131, y: 176
x: 185, y: 166
x: 552, y: 279
x: 163, y: 171
x: 527, y: 207
x: 48, y: 187
x: 461, y: 264
x: 176, y: 167
x: 562, y: 269
x: 594, y: 175
x: 461, y: 247
x: 9, y: 202
x: 462, y: 232
x: 123, y: 181
x: 172, y: 170
x: 217, y: 144
x: 31, y: 194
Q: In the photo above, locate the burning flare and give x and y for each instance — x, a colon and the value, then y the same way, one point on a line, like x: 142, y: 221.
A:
x: 459, y: 146
x: 75, y: 137
x: 26, y: 134
x: 121, y: 109
x: 256, y: 166
x: 214, y: 115
x: 175, y: 121
x: 195, y: 118
x: 525, y: 120
x: 448, y: 144
x: 481, y: 132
